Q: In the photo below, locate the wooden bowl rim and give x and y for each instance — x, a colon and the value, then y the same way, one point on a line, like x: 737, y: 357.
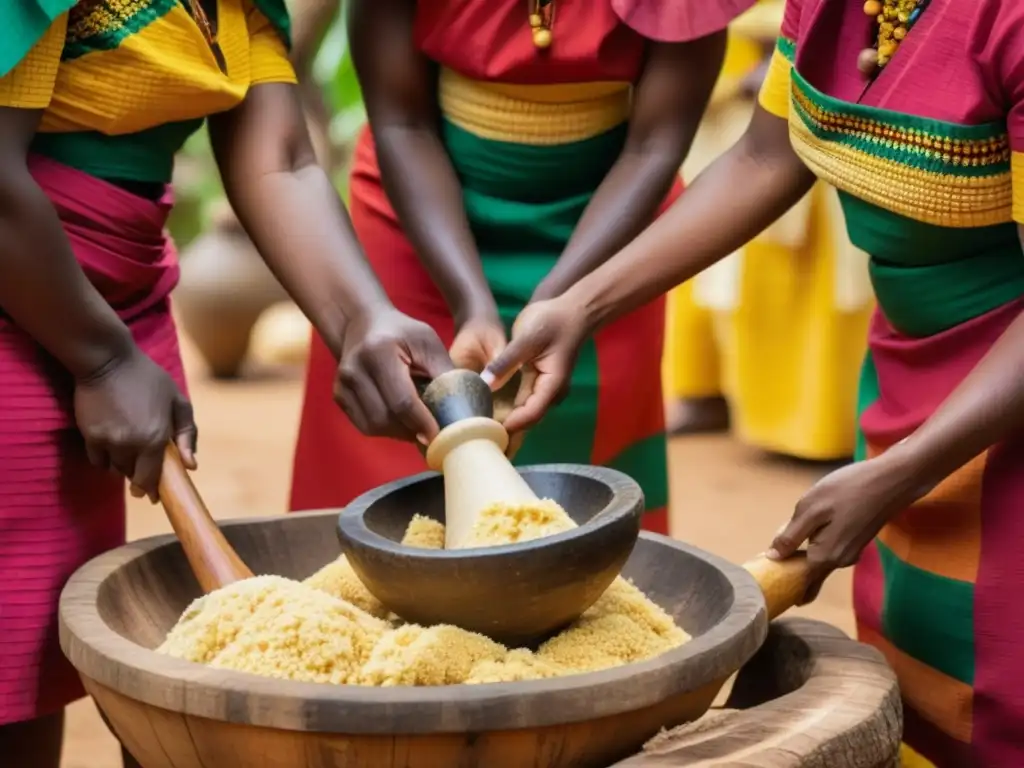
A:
x: 627, y: 502
x: 100, y: 653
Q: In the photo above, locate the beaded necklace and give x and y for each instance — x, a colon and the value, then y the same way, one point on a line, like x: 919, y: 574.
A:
x: 894, y: 19
x: 542, y: 21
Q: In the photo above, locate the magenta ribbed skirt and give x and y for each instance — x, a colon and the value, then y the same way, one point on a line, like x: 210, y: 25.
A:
x: 56, y: 510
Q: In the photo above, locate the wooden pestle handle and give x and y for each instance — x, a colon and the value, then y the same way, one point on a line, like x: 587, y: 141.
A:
x: 783, y: 582
x: 212, y: 559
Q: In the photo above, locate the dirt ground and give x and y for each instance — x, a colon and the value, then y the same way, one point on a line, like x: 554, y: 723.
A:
x: 725, y: 498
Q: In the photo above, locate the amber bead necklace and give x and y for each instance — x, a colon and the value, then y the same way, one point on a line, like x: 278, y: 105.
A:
x: 894, y: 19
x: 202, y: 20
x: 542, y: 21
x: 208, y: 29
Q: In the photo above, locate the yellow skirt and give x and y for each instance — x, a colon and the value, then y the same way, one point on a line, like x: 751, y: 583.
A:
x: 785, y: 356
x: 780, y: 327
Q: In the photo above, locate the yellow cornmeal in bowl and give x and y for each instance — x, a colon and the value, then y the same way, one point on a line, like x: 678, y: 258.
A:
x: 330, y: 629
x: 512, y: 523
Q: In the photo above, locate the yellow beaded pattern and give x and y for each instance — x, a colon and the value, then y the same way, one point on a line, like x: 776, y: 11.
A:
x: 103, y: 24
x: 894, y: 18
x: 538, y: 115
x: 931, y: 178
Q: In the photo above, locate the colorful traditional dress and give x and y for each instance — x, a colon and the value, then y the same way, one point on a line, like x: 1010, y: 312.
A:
x: 778, y: 327
x: 122, y: 84
x: 531, y: 135
x: 929, y: 162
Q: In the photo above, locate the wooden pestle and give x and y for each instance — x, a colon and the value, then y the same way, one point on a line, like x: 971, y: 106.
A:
x: 470, y: 453
x: 783, y: 582
x: 212, y: 559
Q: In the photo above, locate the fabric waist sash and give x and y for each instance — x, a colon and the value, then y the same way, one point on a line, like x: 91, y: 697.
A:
x: 146, y: 156
x: 922, y: 301
x: 117, y: 237
x: 533, y: 114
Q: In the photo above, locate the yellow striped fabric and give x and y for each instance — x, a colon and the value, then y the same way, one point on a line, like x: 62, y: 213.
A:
x: 163, y: 72
x: 30, y: 84
x: 533, y: 114
x: 945, y: 200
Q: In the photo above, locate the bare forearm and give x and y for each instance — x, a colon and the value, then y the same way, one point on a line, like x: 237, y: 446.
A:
x: 623, y: 205
x: 667, y: 105
x: 729, y: 204
x: 43, y: 288
x: 427, y: 196
x: 304, y: 234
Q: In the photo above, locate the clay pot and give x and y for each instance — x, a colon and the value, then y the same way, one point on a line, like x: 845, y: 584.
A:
x: 281, y: 336
x: 224, y: 288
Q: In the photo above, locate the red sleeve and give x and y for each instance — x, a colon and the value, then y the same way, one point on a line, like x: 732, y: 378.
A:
x: 791, y: 21
x: 677, y: 21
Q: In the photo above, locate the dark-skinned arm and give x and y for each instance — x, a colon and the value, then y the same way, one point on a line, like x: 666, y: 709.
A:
x: 296, y: 220
x: 292, y: 212
x: 843, y: 511
x: 42, y: 287
x: 668, y: 104
x: 125, y: 406
x: 732, y: 201
x: 399, y: 89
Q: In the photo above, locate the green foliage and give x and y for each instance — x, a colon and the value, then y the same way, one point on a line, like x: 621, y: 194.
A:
x: 334, y: 70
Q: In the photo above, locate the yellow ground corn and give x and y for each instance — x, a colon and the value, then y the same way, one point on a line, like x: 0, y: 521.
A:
x: 330, y: 629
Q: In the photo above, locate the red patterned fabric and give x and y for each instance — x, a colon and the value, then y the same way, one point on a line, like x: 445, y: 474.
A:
x: 599, y: 40
x: 672, y: 21
x: 56, y: 510
x: 961, y: 64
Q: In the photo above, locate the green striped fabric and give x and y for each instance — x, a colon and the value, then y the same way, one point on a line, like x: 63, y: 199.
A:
x: 523, y: 203
x: 867, y: 394
x: 928, y: 278
x: 146, y: 156
x: 929, y: 617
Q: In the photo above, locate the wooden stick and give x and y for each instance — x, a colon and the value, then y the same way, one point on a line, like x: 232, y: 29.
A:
x: 784, y: 582
x: 212, y: 559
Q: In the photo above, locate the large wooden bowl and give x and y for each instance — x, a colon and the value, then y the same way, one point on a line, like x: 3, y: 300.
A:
x: 175, y: 714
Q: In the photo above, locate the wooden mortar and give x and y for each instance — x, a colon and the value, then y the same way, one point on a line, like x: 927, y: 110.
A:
x: 174, y: 714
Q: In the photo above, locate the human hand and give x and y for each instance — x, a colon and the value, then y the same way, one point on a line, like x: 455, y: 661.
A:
x: 127, y: 413
x: 841, y: 514
x: 547, y: 336
x: 380, y: 356
x: 477, y: 342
